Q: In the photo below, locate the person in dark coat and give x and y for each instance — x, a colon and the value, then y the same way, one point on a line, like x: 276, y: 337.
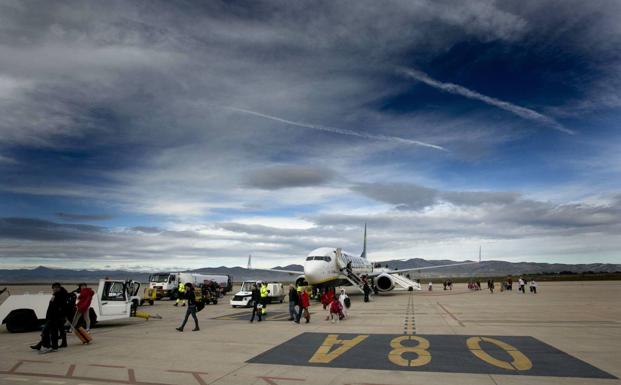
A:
x: 191, y: 298
x: 293, y: 302
x: 256, y: 300
x: 367, y: 291
x: 54, y: 319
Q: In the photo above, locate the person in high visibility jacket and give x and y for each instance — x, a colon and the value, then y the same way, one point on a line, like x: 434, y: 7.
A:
x: 264, y: 293
x: 181, y: 294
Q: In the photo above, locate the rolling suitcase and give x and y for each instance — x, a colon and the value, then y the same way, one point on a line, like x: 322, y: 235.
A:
x: 83, y: 335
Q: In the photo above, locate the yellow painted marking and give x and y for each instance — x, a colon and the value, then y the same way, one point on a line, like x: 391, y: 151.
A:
x: 520, y: 361
x: 323, y: 355
x: 396, y: 354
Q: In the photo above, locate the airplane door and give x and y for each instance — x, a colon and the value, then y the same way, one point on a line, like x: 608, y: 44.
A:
x: 113, y: 299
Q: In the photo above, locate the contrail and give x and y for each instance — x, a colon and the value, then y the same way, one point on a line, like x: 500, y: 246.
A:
x: 452, y: 88
x: 335, y: 130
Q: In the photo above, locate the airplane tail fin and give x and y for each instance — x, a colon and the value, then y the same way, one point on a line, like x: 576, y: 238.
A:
x: 364, y: 248
x: 249, y: 262
x: 479, y: 254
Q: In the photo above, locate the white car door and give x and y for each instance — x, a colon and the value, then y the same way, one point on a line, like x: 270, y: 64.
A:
x: 113, y: 299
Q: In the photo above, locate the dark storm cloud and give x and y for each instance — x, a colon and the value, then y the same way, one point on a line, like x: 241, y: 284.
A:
x: 147, y: 229
x: 415, y: 197
x: 285, y: 176
x: 83, y: 217
x: 42, y: 230
x: 404, y: 196
x: 508, y: 211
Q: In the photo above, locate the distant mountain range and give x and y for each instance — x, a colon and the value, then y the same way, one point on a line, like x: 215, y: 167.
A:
x: 43, y: 274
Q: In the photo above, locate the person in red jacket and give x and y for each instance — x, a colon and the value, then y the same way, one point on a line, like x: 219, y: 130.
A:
x: 84, y: 304
x: 304, y: 305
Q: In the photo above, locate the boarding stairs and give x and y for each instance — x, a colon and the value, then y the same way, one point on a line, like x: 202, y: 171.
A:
x: 405, y: 282
x: 352, y: 277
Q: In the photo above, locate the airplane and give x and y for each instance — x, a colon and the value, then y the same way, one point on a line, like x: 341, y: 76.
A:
x: 331, y: 267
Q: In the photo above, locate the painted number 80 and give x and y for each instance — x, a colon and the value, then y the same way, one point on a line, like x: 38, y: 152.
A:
x: 519, y: 361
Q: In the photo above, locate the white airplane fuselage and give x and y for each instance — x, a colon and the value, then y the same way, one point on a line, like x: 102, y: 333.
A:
x: 321, y: 267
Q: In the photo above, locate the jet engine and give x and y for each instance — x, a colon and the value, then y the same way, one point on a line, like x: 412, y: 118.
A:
x: 301, y: 281
x: 384, y: 282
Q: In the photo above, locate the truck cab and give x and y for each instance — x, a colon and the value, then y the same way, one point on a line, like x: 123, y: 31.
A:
x: 114, y: 300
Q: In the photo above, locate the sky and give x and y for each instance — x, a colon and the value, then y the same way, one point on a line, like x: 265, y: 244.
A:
x: 154, y: 135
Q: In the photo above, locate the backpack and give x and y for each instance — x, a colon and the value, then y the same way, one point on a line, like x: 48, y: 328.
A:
x: 347, y: 302
x: 69, y: 305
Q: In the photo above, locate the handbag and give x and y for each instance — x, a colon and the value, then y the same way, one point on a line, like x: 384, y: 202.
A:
x: 200, y: 306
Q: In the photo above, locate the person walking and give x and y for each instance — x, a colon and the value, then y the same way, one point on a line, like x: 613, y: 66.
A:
x: 304, y: 301
x: 180, y: 294
x: 533, y: 286
x: 264, y: 293
x: 344, y: 300
x: 54, y: 319
x: 293, y: 302
x: 191, y: 298
x: 522, y: 284
x: 256, y: 301
x: 83, y: 307
x: 367, y: 290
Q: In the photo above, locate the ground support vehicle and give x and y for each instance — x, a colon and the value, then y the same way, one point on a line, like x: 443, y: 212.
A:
x: 167, y: 284
x: 113, y: 300
x: 243, y: 298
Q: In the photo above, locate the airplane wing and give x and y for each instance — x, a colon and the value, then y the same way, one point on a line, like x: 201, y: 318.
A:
x: 281, y: 271
x: 388, y: 271
x: 249, y: 267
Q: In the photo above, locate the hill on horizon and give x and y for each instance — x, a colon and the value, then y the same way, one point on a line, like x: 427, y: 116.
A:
x: 485, y: 268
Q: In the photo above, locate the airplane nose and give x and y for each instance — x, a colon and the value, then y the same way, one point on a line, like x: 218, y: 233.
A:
x: 312, y: 274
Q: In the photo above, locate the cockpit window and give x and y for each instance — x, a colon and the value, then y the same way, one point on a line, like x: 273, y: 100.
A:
x: 309, y: 258
x: 327, y: 259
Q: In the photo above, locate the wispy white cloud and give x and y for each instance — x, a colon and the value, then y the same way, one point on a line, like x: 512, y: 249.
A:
x: 7, y: 160
x: 341, y: 131
x: 456, y: 89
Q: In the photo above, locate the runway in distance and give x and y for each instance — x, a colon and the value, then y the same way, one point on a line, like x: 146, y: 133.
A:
x: 331, y: 267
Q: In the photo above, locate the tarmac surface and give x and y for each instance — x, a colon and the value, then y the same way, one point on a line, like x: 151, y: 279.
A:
x: 568, y: 333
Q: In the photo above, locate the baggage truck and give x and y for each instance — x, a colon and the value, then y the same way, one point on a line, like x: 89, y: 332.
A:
x: 166, y: 284
x: 113, y: 300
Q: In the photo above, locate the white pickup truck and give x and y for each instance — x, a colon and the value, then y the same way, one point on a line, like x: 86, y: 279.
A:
x: 113, y: 300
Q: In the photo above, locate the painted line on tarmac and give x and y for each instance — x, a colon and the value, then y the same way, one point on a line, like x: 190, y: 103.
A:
x: 513, y: 355
x: 451, y: 314
x: 245, y: 316
x: 409, y: 325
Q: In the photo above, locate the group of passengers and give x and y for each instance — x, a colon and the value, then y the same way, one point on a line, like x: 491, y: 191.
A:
x: 64, y: 307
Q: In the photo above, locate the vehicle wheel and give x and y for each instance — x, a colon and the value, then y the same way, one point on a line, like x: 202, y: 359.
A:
x: 234, y: 306
x: 281, y: 300
x: 151, y: 302
x: 21, y: 321
x: 215, y: 301
x: 206, y: 302
x: 141, y: 302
